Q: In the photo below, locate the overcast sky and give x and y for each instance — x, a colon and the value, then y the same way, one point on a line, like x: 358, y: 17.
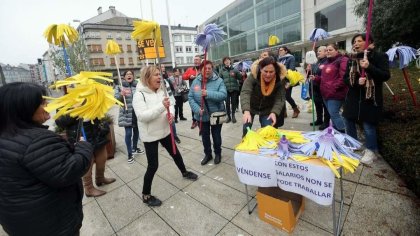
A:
x: 23, y: 22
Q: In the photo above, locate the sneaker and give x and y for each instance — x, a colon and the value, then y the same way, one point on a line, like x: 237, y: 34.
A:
x: 368, y: 157
x: 177, y: 140
x: 138, y: 151
x: 151, y: 200
x: 130, y: 159
x: 189, y: 175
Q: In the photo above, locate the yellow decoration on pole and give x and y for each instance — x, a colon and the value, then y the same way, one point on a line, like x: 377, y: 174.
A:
x: 144, y: 30
x: 294, y: 77
x: 112, y: 47
x: 273, y: 40
x: 88, y: 100
x: 61, y: 34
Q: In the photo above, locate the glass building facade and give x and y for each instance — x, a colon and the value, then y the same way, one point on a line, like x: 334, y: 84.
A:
x: 249, y: 23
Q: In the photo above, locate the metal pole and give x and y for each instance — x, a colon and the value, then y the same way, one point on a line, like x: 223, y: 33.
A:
x: 171, y: 42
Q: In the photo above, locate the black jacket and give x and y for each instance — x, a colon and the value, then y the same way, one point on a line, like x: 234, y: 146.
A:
x: 356, y: 106
x: 40, y: 183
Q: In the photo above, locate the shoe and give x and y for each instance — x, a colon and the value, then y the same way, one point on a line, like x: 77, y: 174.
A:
x: 323, y: 126
x: 368, y: 157
x: 228, y: 120
x: 183, y: 118
x: 317, y: 122
x: 138, y: 151
x: 151, y: 200
x: 176, y: 121
x: 130, y: 159
x: 100, y: 178
x: 189, y: 175
x: 295, y: 112
x: 206, y: 159
x: 233, y: 119
x: 177, y: 140
x: 194, y: 124
x: 217, y: 159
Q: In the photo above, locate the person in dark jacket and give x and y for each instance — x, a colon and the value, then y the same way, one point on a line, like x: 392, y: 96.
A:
x: 288, y: 60
x: 126, y: 117
x: 333, y: 89
x: 263, y: 93
x: 361, y: 105
x: 231, y: 77
x: 40, y: 172
x: 322, y: 115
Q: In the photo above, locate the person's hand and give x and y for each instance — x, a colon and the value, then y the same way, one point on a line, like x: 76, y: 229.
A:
x: 171, y: 118
x: 125, y: 91
x: 364, y: 63
x: 81, y: 138
x: 273, y: 118
x: 166, y: 103
x: 287, y: 85
x: 192, y: 76
x: 362, y: 80
x: 203, y: 92
x: 311, y: 77
x: 201, y: 112
x: 246, y: 117
x: 309, y: 67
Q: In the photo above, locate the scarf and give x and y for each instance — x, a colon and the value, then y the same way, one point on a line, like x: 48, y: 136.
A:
x: 266, y: 90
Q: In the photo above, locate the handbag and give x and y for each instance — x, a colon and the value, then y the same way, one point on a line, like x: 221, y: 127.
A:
x: 304, y: 93
x: 217, y: 117
x: 184, y: 95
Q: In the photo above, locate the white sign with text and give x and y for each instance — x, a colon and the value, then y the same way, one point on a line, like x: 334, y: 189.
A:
x: 258, y: 173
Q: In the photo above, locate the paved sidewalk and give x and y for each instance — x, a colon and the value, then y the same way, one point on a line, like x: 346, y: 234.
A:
x: 376, y: 200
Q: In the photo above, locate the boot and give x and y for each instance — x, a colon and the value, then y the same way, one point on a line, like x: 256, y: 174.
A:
x: 228, y: 119
x: 233, y: 119
x: 100, y: 159
x: 206, y: 159
x: 295, y: 112
x: 90, y: 190
x: 217, y: 159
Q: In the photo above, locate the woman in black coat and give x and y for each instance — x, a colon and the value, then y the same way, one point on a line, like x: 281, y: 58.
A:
x: 363, y: 104
x: 40, y: 172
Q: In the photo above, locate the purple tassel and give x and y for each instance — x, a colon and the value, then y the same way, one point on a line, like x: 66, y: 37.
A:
x: 318, y: 34
x: 212, y: 33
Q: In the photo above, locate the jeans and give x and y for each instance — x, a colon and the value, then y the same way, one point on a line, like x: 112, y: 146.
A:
x: 231, y: 103
x: 333, y: 107
x: 131, y: 136
x: 216, y: 134
x: 263, y: 121
x: 152, y: 154
x: 370, y: 133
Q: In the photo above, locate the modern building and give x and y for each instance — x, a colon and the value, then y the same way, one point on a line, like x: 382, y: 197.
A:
x: 249, y: 24
x: 17, y: 74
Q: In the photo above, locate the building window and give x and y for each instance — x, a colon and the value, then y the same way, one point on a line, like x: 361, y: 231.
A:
x: 130, y: 61
x: 97, y: 61
x: 93, y: 48
x: 190, y: 60
x: 129, y: 48
x: 196, y: 49
x: 109, y: 36
x: 178, y: 49
x: 177, y: 38
x: 121, y: 47
x: 332, y: 18
x: 241, y: 23
x: 112, y: 60
x: 122, y: 61
x: 92, y: 35
x: 118, y: 36
x: 179, y: 60
x: 188, y: 49
x: 127, y: 36
x: 187, y: 38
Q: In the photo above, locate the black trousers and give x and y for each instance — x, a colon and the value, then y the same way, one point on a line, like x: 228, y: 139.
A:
x: 231, y: 102
x: 152, y: 149
x: 179, y: 107
x: 289, y: 98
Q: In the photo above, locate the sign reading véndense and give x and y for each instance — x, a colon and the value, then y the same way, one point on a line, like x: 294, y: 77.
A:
x: 146, y: 48
x: 311, y: 180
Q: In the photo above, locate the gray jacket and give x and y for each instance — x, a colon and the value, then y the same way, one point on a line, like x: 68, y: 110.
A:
x: 125, y: 117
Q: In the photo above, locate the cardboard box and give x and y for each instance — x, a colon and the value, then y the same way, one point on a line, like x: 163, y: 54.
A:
x: 279, y: 208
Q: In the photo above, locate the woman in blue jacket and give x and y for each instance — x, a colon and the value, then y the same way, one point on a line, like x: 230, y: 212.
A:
x: 214, y: 94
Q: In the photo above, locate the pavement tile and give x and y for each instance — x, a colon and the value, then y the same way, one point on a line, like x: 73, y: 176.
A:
x: 226, y: 174
x: 87, y: 200
x: 189, y: 217
x: 2, y: 233
x: 218, y: 197
x: 354, y: 177
x: 231, y: 229
x: 128, y: 172
x: 109, y: 187
x: 161, y: 188
x: 348, y: 190
x: 172, y: 174
x: 321, y: 216
x: 94, y: 221
x: 381, y: 175
x: 148, y: 224
x: 122, y: 206
x: 163, y: 159
x: 192, y: 160
x: 378, y: 212
x: 119, y: 158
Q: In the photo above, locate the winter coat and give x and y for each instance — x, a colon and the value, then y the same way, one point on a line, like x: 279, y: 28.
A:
x: 356, y: 106
x: 40, y: 183
x: 96, y: 133
x: 255, y: 102
x: 231, y: 77
x: 126, y: 118
x: 178, y: 85
x: 151, y: 114
x: 316, y: 70
x: 331, y: 78
x: 216, y: 95
x: 288, y: 61
x: 190, y: 71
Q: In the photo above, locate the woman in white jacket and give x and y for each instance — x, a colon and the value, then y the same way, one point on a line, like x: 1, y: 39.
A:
x: 150, y: 106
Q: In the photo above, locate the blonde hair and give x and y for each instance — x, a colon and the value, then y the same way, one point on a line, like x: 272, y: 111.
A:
x: 146, y: 74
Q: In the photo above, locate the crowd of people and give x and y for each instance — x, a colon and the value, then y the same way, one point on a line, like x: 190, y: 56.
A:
x: 39, y: 168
